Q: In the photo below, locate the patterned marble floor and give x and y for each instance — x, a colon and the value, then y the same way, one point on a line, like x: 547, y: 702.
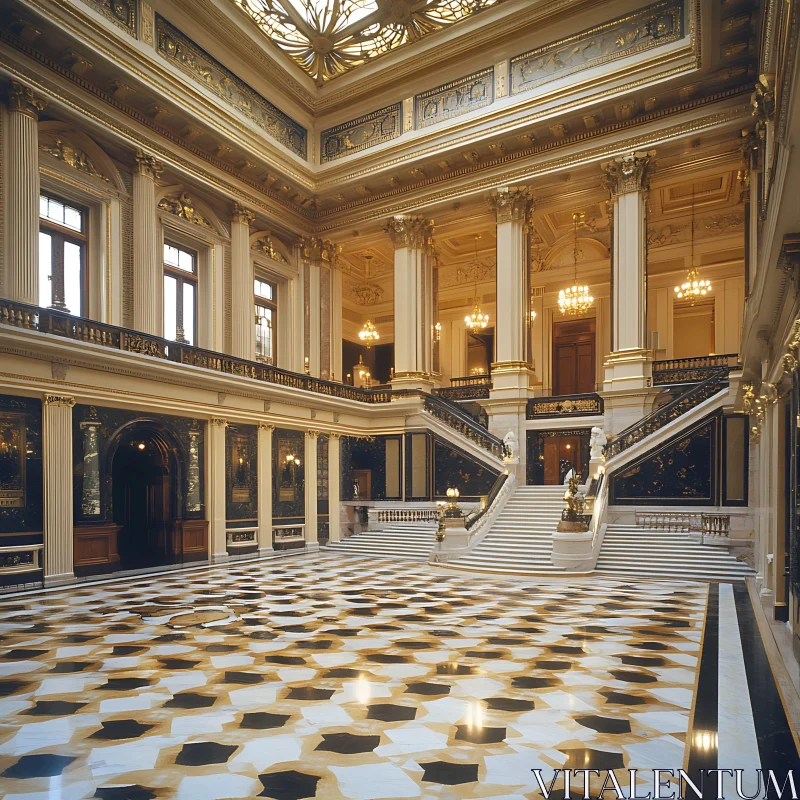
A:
x: 339, y: 678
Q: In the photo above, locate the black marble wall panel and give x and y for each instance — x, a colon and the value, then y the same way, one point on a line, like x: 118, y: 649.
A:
x: 288, y: 480
x: 185, y: 436
x: 452, y: 467
x: 241, y: 472
x: 360, y: 454
x: 683, y: 471
x: 20, y: 467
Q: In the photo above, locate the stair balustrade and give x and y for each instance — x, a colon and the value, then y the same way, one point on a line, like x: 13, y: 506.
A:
x: 675, y: 521
x: 677, y: 407
x: 715, y: 524
x: 384, y: 516
x: 690, y: 370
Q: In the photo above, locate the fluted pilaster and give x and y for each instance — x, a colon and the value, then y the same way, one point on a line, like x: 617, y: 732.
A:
x: 334, y: 488
x: 216, y: 443
x: 243, y: 319
x: 312, y: 541
x: 148, y: 291
x: 57, y: 485
x: 22, y: 282
x: 319, y: 257
x: 265, y: 487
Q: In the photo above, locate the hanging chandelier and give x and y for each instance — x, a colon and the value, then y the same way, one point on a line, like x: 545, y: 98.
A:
x: 477, y: 320
x: 575, y: 299
x: 368, y: 334
x: 694, y: 286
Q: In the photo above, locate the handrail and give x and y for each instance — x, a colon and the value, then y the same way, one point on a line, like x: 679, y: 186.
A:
x: 690, y: 370
x: 461, y: 422
x: 473, y: 518
x: 656, y: 420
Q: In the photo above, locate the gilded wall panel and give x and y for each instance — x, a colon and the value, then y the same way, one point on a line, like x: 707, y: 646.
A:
x: 648, y: 27
x: 194, y: 61
x: 359, y: 134
x: 455, y: 98
x: 120, y: 12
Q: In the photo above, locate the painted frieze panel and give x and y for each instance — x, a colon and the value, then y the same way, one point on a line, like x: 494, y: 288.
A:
x: 455, y: 98
x: 359, y: 134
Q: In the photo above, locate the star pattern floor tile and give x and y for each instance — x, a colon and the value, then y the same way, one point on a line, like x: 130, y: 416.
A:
x: 339, y: 679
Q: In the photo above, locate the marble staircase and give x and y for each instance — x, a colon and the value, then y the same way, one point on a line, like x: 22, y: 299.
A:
x: 407, y: 541
x: 642, y: 553
x: 521, y: 539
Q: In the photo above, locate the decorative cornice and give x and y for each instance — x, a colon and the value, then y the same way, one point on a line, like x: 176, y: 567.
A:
x: 511, y: 205
x: 629, y: 173
x: 148, y: 165
x: 22, y: 99
x: 242, y: 215
x: 59, y: 400
x: 406, y: 231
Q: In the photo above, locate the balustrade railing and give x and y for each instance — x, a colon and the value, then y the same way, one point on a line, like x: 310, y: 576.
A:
x: 389, y: 515
x: 472, y: 380
x: 475, y: 517
x: 568, y: 405
x: 462, y: 423
x: 677, y: 407
x: 691, y: 370
x: 716, y: 524
x: 673, y: 521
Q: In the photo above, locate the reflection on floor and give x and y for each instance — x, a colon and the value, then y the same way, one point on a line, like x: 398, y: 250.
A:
x: 335, y: 678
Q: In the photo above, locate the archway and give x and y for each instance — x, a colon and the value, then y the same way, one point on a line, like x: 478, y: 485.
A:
x: 145, y: 488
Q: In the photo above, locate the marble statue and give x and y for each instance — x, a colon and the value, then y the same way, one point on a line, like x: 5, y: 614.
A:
x: 597, y: 442
x: 511, y: 445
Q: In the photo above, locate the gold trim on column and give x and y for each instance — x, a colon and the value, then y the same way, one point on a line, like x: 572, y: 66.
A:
x: 242, y: 215
x: 22, y: 99
x: 218, y: 422
x: 407, y: 231
x: 59, y: 400
x: 629, y: 173
x: 266, y: 426
x: 512, y: 205
x: 149, y: 165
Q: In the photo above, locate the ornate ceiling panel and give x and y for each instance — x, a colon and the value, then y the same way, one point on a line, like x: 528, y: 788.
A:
x: 327, y: 38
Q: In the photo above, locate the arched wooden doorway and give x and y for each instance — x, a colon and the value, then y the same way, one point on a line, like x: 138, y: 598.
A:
x: 145, y: 483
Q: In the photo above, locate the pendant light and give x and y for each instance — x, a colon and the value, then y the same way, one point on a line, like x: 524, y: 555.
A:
x: 368, y: 334
x: 693, y: 287
x: 575, y: 299
x: 477, y: 320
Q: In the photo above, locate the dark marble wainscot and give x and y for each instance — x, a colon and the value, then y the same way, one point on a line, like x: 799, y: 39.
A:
x: 288, y: 488
x: 241, y: 487
x: 20, y: 491
x: 452, y: 467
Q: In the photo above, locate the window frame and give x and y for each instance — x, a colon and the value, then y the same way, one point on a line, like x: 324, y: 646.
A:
x: 271, y: 305
x: 62, y: 235
x: 181, y: 276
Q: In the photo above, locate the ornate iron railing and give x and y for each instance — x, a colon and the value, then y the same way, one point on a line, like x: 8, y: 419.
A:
x: 567, y: 405
x: 475, y: 517
x: 478, y: 391
x: 690, y: 370
x: 462, y: 423
x: 677, y: 407
x: 48, y: 321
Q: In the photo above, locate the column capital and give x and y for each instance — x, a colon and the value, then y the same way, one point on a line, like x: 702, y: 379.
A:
x: 511, y: 205
x: 406, y: 231
x: 266, y: 426
x: 321, y: 252
x: 59, y: 400
x: 218, y: 422
x: 242, y: 215
x: 629, y: 173
x: 335, y: 435
x: 148, y: 165
x: 763, y: 98
x: 23, y: 100
x: 312, y: 434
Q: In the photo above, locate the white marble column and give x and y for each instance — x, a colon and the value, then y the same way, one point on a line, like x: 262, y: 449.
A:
x: 265, y: 488
x: 334, y: 488
x: 312, y: 541
x: 216, y: 448
x: 318, y: 264
x: 628, y: 366
x: 413, y: 301
x: 22, y: 278
x: 148, y: 289
x: 57, y: 486
x: 243, y: 329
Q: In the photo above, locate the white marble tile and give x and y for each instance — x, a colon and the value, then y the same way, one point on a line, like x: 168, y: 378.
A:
x: 199, y: 724
x: 264, y: 752
x: 216, y: 787
x: 375, y: 782
x: 51, y: 733
x: 326, y: 713
x: 191, y: 679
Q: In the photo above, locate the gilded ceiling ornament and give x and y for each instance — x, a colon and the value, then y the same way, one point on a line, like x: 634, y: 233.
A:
x: 149, y: 165
x: 669, y: 234
x: 367, y: 294
x: 183, y: 207
x: 406, y: 231
x: 361, y: 133
x: 326, y: 39
x: 724, y: 223
x: 21, y: 98
x: 72, y: 157
x: 629, y: 173
x: 511, y: 205
x: 320, y: 251
x: 122, y: 12
x: 265, y: 245
x: 455, y: 98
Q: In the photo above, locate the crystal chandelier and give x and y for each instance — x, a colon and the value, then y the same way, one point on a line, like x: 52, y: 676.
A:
x: 693, y: 287
x: 477, y: 320
x: 575, y: 299
x: 368, y: 334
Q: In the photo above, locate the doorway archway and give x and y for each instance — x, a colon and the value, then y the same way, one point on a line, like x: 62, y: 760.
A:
x: 145, y: 480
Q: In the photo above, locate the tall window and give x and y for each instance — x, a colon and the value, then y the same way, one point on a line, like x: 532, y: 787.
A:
x: 62, y: 255
x: 266, y: 310
x: 180, y: 294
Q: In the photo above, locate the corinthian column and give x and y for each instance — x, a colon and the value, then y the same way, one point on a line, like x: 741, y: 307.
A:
x: 319, y: 259
x: 243, y: 330
x: 628, y: 366
x: 57, y: 485
x: 148, y: 290
x: 22, y: 282
x: 264, y: 473
x: 310, y: 481
x: 412, y: 238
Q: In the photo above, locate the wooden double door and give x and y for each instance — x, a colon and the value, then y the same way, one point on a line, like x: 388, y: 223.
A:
x: 561, y: 454
x: 574, y: 357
